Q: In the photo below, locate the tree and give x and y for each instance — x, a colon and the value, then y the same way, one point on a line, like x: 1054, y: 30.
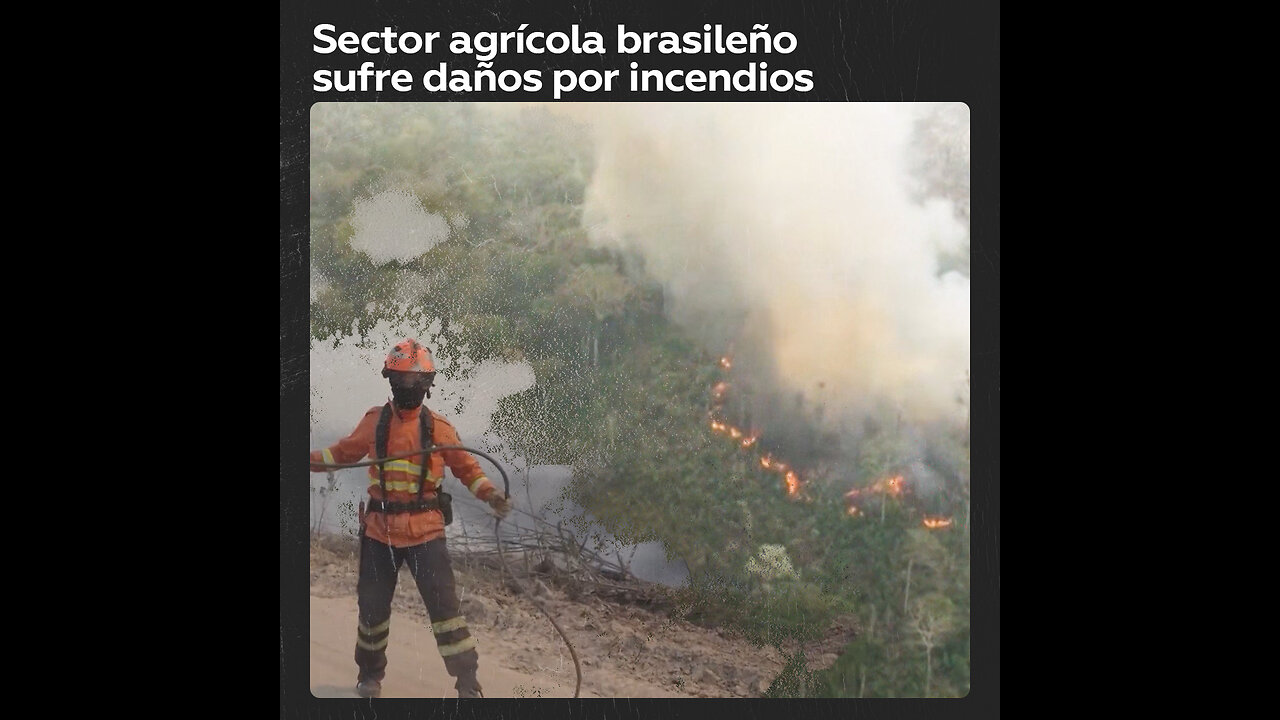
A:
x: 925, y: 554
x: 603, y: 291
x: 932, y: 617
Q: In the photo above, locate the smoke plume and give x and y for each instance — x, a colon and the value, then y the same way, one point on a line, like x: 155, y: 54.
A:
x: 791, y: 229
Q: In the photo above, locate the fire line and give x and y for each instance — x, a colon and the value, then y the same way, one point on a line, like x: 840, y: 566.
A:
x: 893, y: 485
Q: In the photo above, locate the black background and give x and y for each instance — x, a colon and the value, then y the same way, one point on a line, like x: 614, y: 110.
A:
x: 875, y: 51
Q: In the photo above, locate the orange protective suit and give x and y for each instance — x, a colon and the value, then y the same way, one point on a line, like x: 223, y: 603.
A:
x: 406, y: 529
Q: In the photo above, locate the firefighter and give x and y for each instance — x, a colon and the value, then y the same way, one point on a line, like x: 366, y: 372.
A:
x: 406, y: 517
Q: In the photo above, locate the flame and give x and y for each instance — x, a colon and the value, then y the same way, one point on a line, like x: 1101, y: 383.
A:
x: 892, y: 485
x: 746, y: 439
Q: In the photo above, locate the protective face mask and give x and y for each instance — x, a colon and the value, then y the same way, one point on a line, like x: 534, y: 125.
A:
x: 408, y: 398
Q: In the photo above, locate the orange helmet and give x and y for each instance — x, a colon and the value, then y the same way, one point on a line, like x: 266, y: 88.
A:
x: 409, y: 355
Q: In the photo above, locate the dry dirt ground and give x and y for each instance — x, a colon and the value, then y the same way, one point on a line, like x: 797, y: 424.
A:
x: 625, y: 650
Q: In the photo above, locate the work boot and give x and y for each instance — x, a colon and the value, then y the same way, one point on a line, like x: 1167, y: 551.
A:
x: 369, y: 688
x: 468, y: 687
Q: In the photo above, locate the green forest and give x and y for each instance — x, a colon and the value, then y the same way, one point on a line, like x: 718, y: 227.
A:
x: 623, y: 396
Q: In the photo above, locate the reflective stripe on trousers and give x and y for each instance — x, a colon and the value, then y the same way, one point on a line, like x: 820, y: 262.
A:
x: 432, y: 571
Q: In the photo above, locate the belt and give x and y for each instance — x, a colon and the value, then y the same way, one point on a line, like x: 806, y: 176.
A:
x: 397, y: 507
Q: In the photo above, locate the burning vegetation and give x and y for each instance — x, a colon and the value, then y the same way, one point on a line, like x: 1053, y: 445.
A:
x: 893, y: 486
x: 747, y: 438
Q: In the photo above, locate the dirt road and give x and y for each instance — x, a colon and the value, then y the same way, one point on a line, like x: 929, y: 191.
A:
x: 414, y: 668
x: 625, y: 651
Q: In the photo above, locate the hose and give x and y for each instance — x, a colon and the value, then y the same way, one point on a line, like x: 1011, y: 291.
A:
x: 506, y: 483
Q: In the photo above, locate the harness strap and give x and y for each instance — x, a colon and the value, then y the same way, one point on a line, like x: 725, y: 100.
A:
x: 426, y: 439
x: 380, y: 444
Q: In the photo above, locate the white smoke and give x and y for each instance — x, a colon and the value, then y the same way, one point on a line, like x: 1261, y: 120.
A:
x: 393, y: 225
x: 799, y: 216
x: 346, y: 381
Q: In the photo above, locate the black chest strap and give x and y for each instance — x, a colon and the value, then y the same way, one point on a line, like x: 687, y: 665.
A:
x: 426, y: 429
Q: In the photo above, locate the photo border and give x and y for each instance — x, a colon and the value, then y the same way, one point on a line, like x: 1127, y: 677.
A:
x: 859, y: 52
